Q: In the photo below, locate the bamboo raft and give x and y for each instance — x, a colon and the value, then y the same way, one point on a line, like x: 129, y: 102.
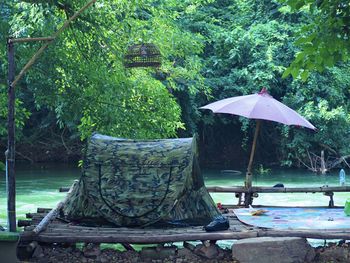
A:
x: 44, y: 226
x: 56, y: 231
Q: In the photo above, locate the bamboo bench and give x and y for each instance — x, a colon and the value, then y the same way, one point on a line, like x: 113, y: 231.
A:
x: 238, y: 190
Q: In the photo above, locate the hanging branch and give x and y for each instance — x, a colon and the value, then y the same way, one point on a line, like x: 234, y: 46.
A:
x: 344, y: 159
x: 311, y: 162
x: 318, y: 164
x: 41, y: 50
x: 329, y: 148
x: 310, y: 168
x: 340, y: 160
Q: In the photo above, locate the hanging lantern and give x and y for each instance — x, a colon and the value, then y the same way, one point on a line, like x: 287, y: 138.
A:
x: 142, y: 55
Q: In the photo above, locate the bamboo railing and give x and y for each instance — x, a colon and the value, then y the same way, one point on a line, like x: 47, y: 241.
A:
x: 261, y: 189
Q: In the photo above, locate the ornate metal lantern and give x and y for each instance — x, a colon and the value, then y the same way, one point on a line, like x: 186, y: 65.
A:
x: 142, y: 55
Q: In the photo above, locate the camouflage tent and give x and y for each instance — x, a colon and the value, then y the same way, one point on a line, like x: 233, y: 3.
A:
x: 140, y: 182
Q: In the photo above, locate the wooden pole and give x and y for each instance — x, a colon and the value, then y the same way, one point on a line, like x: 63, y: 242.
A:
x: 10, y: 152
x: 249, y: 175
x: 115, y: 237
x: 30, y: 39
x: 249, y: 170
x: 12, y: 81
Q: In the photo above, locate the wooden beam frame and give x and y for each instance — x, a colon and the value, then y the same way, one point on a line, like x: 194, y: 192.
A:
x: 30, y: 39
x: 12, y: 82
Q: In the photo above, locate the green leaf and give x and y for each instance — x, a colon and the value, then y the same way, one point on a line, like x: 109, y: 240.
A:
x: 287, y: 72
x: 295, y: 72
x: 304, y: 75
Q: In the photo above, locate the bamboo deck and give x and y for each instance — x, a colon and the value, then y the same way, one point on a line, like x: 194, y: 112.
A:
x: 45, y: 227
x: 61, y: 232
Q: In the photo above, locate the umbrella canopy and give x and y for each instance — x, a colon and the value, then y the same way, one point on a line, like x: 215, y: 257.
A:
x: 259, y: 106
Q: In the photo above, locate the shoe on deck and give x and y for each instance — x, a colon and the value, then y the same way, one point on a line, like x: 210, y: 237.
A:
x: 219, y: 223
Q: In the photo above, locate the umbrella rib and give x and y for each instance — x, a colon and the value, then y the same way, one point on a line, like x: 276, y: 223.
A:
x: 305, y: 123
x: 282, y: 113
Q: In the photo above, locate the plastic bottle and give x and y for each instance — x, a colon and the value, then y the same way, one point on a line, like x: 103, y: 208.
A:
x: 342, y: 177
x: 347, y: 207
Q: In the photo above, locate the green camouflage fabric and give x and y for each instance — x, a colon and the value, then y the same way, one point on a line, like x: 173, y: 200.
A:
x: 140, y: 182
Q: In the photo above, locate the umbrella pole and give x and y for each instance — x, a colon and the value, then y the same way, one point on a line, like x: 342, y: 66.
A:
x: 249, y: 175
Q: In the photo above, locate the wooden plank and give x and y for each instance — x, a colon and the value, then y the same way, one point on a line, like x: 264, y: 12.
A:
x: 37, y: 216
x: 22, y: 223
x: 62, y: 232
x: 63, y: 189
x: 44, y: 210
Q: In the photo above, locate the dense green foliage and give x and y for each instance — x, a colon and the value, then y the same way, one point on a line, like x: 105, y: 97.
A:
x: 324, y: 39
x: 249, y: 44
x: 211, y: 50
x: 80, y: 83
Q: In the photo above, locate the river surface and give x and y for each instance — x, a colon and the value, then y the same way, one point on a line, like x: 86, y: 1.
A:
x: 289, y: 177
x: 37, y: 186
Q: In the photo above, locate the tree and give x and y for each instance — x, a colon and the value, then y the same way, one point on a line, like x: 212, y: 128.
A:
x: 249, y: 44
x: 80, y: 85
x: 325, y: 38
x: 210, y: 49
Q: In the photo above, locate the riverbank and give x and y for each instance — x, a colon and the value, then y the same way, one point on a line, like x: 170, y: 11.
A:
x: 167, y: 254
x: 333, y: 252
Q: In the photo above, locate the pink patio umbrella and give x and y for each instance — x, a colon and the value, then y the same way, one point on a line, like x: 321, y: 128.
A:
x: 260, y: 106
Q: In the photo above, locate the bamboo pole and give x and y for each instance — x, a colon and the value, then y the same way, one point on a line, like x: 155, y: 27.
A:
x: 22, y: 223
x: 30, y: 39
x: 53, y: 213
x: 10, y: 152
x: 131, y: 238
x: 63, y: 189
x: 41, y: 210
x: 12, y: 81
x: 240, y: 189
x: 248, y: 182
x: 262, y: 189
x: 248, y: 198
x: 136, y: 239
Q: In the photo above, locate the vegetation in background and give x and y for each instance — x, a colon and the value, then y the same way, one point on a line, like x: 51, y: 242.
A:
x: 263, y: 171
x: 249, y: 45
x: 325, y: 38
x: 2, y: 166
x: 211, y: 50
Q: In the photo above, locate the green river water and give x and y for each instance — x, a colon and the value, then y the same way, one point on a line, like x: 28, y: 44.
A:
x: 37, y: 186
